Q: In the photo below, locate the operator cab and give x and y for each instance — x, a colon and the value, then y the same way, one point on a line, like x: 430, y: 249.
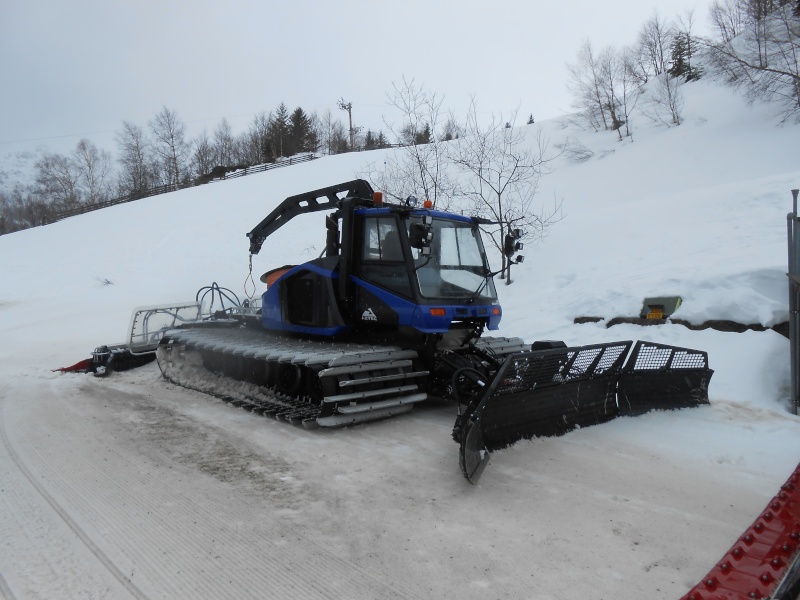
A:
x: 423, y: 269
x: 386, y: 267
x: 449, y: 267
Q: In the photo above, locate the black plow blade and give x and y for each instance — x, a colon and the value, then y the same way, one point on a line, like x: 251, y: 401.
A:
x: 473, y: 456
x: 664, y: 377
x: 551, y: 392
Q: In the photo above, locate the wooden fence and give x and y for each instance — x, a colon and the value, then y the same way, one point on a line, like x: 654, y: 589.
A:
x: 163, y: 189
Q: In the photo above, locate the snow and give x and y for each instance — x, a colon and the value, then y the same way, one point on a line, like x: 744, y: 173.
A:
x: 131, y: 487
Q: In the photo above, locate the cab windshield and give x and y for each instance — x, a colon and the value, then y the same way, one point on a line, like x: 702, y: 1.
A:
x: 456, y: 266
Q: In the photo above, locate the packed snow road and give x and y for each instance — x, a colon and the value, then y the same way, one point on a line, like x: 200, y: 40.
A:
x: 166, y: 505
x: 130, y: 487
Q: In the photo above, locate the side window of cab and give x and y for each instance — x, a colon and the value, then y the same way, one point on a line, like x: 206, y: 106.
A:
x: 382, y: 255
x: 381, y: 240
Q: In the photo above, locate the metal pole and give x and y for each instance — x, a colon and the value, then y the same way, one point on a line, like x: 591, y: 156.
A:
x: 794, y: 300
x: 792, y: 313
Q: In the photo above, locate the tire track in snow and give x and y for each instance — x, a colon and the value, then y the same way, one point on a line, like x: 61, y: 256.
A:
x: 38, y: 551
x: 120, y: 479
x: 209, y: 543
x: 70, y: 522
x: 5, y: 590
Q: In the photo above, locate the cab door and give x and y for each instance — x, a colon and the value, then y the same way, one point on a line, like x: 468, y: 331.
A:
x: 383, y: 256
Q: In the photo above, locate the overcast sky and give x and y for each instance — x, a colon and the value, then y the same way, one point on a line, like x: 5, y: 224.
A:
x: 79, y: 68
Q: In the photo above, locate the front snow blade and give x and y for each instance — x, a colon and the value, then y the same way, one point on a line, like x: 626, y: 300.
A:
x: 663, y: 377
x: 543, y: 393
x: 550, y: 392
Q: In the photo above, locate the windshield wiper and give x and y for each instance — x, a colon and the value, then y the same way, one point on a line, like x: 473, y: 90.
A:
x: 487, y: 275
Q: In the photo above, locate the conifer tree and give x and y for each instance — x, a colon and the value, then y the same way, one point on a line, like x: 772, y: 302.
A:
x: 369, y: 141
x: 279, y: 131
x: 301, y: 134
x: 679, y: 66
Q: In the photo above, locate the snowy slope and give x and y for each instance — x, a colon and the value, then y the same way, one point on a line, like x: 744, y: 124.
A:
x: 128, y: 486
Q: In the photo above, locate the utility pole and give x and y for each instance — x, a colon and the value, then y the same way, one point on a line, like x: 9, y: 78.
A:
x: 349, y: 108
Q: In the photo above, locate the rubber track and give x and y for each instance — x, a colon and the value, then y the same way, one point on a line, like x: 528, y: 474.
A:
x: 345, y: 359
x: 282, y: 408
x: 295, y: 411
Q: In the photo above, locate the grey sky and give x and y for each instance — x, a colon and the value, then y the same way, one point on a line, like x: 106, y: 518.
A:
x: 79, y: 68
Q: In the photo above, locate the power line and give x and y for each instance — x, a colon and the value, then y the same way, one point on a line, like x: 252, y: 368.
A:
x: 54, y: 137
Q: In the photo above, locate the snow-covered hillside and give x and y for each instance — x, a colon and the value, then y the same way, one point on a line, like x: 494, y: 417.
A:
x: 129, y: 486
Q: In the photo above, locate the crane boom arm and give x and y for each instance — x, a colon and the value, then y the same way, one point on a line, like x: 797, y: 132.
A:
x: 327, y: 198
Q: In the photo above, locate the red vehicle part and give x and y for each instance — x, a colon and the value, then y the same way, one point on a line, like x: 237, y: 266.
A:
x: 764, y: 562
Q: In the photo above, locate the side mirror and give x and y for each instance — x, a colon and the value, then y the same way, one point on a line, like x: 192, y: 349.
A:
x: 419, y: 235
x: 510, y: 243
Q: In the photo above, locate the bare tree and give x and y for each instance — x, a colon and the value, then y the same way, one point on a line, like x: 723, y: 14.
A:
x: 727, y: 17
x: 503, y: 175
x: 611, y: 73
x: 68, y: 181
x: 663, y: 102
x: 224, y: 144
x: 324, y: 128
x: 57, y: 178
x: 586, y: 87
x: 21, y: 209
x: 451, y: 130
x: 203, y: 155
x: 631, y: 87
x: 137, y: 172
x: 756, y: 13
x: 332, y: 136
x: 94, y: 169
x: 606, y: 87
x: 338, y: 138
x: 420, y: 166
x: 255, y: 146
x: 760, y: 18
x: 638, y: 64
x: 314, y: 122
x: 654, y: 41
x: 765, y: 59
x: 170, y: 146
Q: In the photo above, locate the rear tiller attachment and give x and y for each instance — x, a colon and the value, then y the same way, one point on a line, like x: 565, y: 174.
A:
x: 550, y: 392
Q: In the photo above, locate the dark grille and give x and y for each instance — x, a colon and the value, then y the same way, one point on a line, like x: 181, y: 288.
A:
x: 648, y: 356
x: 530, y: 370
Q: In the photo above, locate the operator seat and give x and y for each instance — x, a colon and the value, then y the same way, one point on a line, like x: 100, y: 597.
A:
x: 391, y: 248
